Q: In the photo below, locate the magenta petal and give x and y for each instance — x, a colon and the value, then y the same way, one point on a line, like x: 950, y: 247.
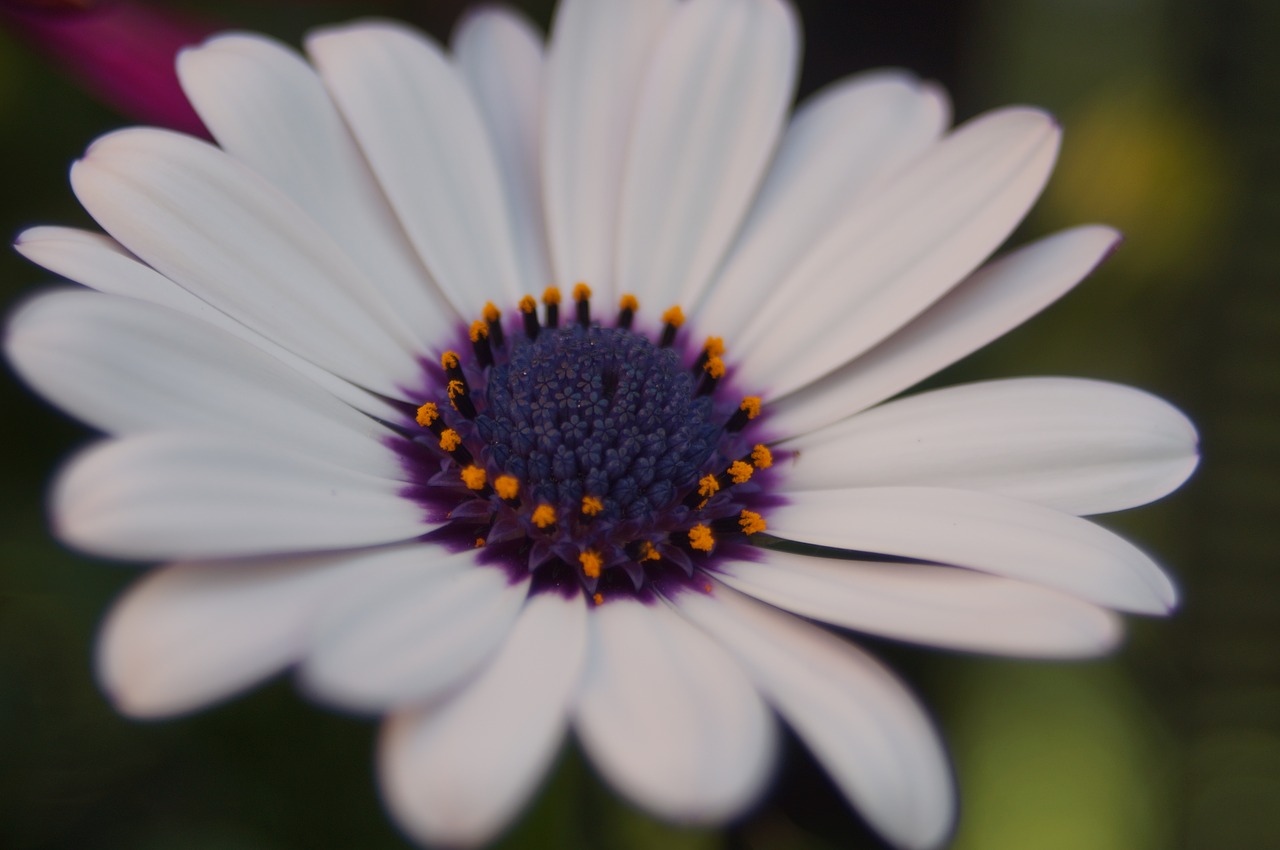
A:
x: 123, y: 52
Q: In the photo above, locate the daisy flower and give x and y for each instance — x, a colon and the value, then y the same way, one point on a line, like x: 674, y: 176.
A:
x: 514, y: 389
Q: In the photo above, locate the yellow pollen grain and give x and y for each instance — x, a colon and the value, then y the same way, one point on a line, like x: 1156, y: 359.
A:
x: 714, y: 367
x: 449, y: 360
x: 761, y: 456
x: 714, y: 346
x: 457, y: 388
x: 506, y: 486
x: 751, y: 406
x: 598, y: 599
x: 649, y: 553
x: 591, y: 505
x: 707, y: 587
x: 449, y: 439
x: 628, y: 302
x: 527, y: 304
x: 751, y: 522
x: 591, y: 564
x: 479, y: 330
x: 740, y: 472
x: 674, y: 316
x: 427, y: 414
x: 474, y: 477
x: 491, y: 313
x: 551, y: 295
x: 479, y: 542
x: 581, y: 292
x: 543, y: 516
x: 700, y: 538
x: 708, y: 486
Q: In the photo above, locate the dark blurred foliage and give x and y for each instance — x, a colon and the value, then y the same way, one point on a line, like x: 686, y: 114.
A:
x: 1172, y: 133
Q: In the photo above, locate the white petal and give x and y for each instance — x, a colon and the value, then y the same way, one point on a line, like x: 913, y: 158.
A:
x: 856, y: 717
x: 418, y: 126
x: 939, y: 606
x: 187, y: 495
x: 220, y: 230
x: 100, y: 262
x: 413, y: 640
x: 500, y: 55
x: 709, y: 116
x: 456, y: 775
x: 989, y: 533
x: 843, y: 140
x: 668, y: 717
x: 267, y: 107
x: 125, y: 366
x: 598, y: 57
x: 1083, y: 447
x: 190, y: 634
x: 901, y: 249
x: 991, y: 302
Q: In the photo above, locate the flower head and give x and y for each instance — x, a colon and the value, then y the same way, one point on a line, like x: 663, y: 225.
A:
x: 518, y: 388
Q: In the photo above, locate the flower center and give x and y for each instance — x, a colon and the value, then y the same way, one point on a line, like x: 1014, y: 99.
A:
x: 592, y: 450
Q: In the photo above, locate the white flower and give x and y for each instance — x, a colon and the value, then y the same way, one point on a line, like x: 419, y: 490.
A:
x: 275, y: 317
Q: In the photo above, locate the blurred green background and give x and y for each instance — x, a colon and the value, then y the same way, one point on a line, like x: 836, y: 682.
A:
x: 1172, y: 117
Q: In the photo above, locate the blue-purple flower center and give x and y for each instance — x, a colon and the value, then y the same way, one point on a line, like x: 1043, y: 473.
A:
x: 590, y: 451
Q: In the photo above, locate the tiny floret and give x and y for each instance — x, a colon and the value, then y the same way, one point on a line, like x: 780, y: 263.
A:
x: 551, y: 295
x: 674, y: 316
x: 427, y: 414
x: 449, y: 360
x: 751, y: 522
x: 581, y: 292
x: 591, y: 505
x: 701, y: 538
x: 598, y: 598
x: 528, y: 304
x: 714, y: 367
x: 648, y: 552
x: 708, y: 486
x: 740, y: 472
x: 628, y: 302
x: 591, y: 563
x: 714, y: 346
x: 450, y: 439
x: 750, y: 406
x: 491, y: 312
x: 761, y: 457
x: 478, y: 330
x: 474, y: 477
x: 544, y: 516
x: 506, y: 486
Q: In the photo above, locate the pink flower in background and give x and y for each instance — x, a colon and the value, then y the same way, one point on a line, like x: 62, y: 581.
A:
x: 122, y: 51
